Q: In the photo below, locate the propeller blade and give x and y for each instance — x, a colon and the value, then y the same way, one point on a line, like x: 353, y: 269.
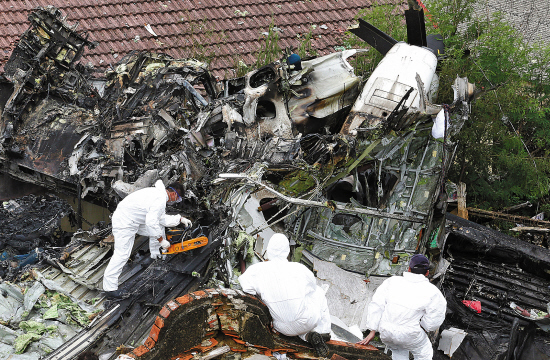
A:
x: 416, y: 27
x: 374, y: 37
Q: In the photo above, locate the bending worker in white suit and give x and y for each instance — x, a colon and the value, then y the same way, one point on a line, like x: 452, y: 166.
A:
x: 297, y: 305
x: 141, y: 212
x: 403, y: 308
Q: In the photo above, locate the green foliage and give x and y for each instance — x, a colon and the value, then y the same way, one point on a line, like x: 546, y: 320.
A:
x: 270, y: 50
x: 504, y: 147
x: 240, y: 67
x: 306, y: 49
x: 202, y: 41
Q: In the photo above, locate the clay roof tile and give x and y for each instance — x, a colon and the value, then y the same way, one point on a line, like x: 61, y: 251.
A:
x: 228, y: 28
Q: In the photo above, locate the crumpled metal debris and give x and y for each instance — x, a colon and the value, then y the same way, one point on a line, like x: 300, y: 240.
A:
x: 35, y: 320
x: 355, y: 167
x: 343, y: 165
x: 28, y: 226
x: 509, y: 277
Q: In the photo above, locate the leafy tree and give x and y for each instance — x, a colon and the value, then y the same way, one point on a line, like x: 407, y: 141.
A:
x: 503, y: 153
x: 503, y: 150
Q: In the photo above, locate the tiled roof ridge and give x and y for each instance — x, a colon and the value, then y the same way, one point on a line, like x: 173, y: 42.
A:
x: 223, y: 29
x: 168, y: 22
x: 262, y: 28
x: 248, y: 27
x: 68, y: 6
x: 74, y: 17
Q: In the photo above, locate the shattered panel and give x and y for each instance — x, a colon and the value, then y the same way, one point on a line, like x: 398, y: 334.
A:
x: 64, y: 134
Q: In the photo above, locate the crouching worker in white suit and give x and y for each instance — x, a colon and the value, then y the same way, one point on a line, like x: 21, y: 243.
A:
x: 297, y: 305
x: 141, y: 212
x: 403, y: 308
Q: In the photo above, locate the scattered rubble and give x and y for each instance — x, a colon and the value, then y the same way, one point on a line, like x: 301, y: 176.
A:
x: 35, y: 319
x: 509, y: 278
x: 30, y: 230
x: 352, y: 170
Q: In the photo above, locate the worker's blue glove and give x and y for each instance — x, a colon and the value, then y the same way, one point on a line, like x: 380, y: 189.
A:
x: 186, y: 222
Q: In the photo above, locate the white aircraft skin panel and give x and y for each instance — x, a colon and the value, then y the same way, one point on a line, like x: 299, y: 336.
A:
x: 390, y: 81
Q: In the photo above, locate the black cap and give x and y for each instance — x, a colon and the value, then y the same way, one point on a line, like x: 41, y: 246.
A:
x: 419, y: 264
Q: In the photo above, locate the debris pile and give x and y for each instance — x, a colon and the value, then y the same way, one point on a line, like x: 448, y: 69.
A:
x: 352, y: 170
x: 29, y: 227
x: 508, y: 281
x: 36, y: 320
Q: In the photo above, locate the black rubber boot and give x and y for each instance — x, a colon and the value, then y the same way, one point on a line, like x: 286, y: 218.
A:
x: 115, y: 294
x: 316, y: 340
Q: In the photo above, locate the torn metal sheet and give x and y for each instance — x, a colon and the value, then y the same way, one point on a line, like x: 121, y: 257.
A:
x: 344, y: 165
x: 85, y: 267
x: 348, y: 295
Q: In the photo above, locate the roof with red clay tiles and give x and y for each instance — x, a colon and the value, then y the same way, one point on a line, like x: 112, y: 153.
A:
x: 224, y: 31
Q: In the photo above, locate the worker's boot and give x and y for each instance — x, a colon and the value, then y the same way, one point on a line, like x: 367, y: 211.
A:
x: 115, y: 294
x: 316, y: 340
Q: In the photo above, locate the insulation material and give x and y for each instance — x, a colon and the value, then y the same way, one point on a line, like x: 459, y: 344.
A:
x: 450, y: 340
x: 24, y: 340
x: 348, y: 295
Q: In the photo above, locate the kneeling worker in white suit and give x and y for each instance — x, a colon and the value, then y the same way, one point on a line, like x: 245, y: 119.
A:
x: 141, y: 212
x: 297, y: 305
x: 403, y: 308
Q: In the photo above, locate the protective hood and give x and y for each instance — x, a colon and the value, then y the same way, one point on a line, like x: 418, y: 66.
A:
x: 278, y: 248
x: 160, y: 185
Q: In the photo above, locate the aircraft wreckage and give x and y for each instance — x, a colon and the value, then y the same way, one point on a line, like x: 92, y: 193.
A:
x: 351, y: 169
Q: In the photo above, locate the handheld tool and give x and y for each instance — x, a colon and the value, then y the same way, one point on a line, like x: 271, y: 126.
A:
x: 179, y: 242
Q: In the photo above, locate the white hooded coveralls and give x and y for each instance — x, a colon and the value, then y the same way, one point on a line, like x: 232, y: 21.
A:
x: 399, y: 307
x: 141, y: 212
x: 296, y: 304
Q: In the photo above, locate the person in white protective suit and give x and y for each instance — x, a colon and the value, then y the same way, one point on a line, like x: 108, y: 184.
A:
x: 297, y: 305
x: 141, y: 212
x: 403, y: 309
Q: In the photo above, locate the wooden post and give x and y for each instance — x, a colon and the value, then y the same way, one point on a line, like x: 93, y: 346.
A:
x: 462, y: 211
